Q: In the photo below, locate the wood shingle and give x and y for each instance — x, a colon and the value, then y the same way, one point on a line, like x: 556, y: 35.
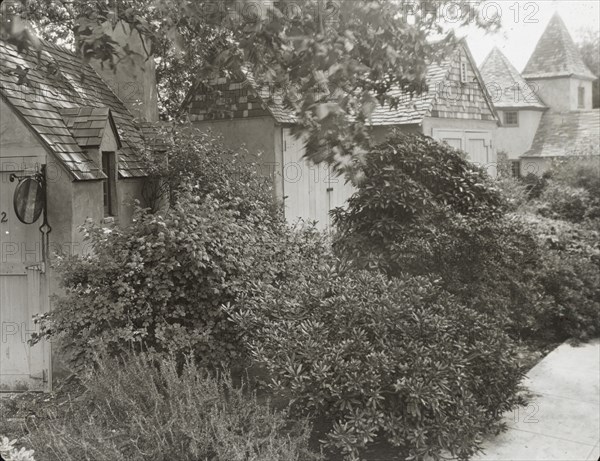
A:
x: 62, y: 106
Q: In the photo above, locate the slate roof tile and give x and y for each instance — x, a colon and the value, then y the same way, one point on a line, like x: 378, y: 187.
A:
x: 556, y: 55
x: 560, y: 134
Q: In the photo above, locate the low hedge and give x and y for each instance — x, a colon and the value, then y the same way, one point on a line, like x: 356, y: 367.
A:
x: 136, y: 409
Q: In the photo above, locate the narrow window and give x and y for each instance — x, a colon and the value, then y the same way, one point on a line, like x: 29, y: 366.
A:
x: 581, y: 97
x: 463, y: 69
x: 515, y: 167
x: 511, y: 118
x: 109, y: 186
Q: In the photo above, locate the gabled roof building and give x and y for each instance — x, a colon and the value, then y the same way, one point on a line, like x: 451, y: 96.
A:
x: 454, y: 108
x: 546, y: 111
x: 63, y: 128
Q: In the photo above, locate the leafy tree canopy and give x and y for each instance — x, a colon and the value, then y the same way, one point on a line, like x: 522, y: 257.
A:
x: 332, y: 60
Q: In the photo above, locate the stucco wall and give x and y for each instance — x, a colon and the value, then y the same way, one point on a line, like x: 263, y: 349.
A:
x: 431, y: 123
x: 380, y: 133
x: 515, y: 141
x: 561, y: 94
x: 18, y: 145
x: 554, y: 92
x: 535, y: 165
x: 575, y: 84
x: 259, y: 135
x: 128, y: 191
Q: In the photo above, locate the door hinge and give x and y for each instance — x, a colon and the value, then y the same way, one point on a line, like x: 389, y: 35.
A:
x: 42, y: 375
x: 37, y: 267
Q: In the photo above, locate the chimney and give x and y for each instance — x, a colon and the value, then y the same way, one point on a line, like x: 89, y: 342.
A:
x: 133, y: 77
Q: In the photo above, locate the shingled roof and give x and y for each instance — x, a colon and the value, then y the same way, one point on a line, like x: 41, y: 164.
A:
x: 87, y: 124
x: 46, y: 94
x: 507, y: 88
x: 445, y: 97
x: 561, y: 134
x: 242, y: 98
x: 411, y: 108
x: 556, y: 55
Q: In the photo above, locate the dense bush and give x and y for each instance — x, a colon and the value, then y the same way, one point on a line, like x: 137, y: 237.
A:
x: 8, y: 451
x: 423, y: 209
x: 569, y: 275
x: 139, y: 409
x: 535, y: 184
x: 159, y: 284
x: 562, y: 201
x: 572, y: 190
x: 401, y: 220
x: 398, y: 360
x: 513, y: 189
x: 198, y: 158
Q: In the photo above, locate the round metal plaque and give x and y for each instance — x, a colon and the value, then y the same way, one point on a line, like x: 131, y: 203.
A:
x: 28, y: 200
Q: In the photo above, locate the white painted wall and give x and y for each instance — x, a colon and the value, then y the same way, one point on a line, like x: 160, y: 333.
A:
x: 560, y: 94
x: 587, y: 85
x: 535, y: 165
x: 515, y: 141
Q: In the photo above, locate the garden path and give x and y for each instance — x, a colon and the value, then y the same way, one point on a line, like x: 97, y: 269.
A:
x: 562, y: 421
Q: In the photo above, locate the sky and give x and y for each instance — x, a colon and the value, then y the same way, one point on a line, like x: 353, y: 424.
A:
x: 523, y: 22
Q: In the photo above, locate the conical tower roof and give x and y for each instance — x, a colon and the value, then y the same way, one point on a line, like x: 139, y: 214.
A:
x: 556, y: 54
x: 506, y: 86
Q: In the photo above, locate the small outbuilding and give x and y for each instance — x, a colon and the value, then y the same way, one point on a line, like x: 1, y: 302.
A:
x: 454, y: 108
x: 69, y: 152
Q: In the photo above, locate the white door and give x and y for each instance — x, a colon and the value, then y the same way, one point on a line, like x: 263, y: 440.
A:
x: 310, y: 191
x: 476, y: 144
x: 454, y: 138
x: 22, y: 288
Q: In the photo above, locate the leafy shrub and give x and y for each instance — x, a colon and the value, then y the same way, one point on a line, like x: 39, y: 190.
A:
x: 424, y: 210
x: 159, y: 284
x: 513, y: 189
x: 569, y: 275
x: 199, y: 159
x: 535, y: 184
x: 562, y: 201
x: 573, y: 190
x: 9, y: 452
x: 580, y: 171
x: 139, y: 409
x: 393, y: 359
x: 401, y: 221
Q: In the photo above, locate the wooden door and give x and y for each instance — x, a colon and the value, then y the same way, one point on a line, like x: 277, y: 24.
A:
x: 479, y: 147
x: 475, y: 143
x: 22, y: 295
x: 298, y: 194
x: 454, y: 138
x: 311, y: 191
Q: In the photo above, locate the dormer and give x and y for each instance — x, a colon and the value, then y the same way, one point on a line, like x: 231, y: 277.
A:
x: 94, y: 130
x: 557, y: 72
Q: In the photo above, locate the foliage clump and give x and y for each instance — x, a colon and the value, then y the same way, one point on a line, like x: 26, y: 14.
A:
x: 138, y: 408
x: 572, y: 190
x: 159, y: 284
x: 397, y: 360
x: 422, y: 209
